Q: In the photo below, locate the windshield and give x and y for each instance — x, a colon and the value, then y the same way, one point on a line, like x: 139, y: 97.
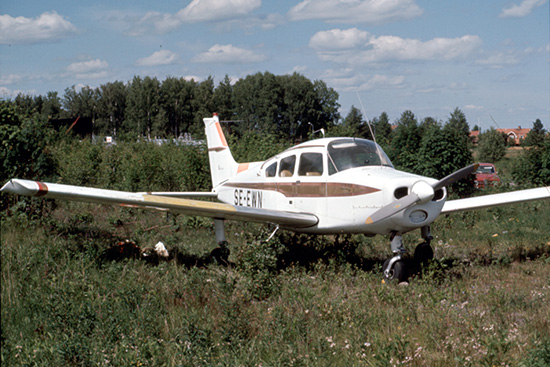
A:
x: 344, y: 154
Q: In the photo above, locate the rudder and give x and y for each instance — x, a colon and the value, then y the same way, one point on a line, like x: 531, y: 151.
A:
x: 222, y: 164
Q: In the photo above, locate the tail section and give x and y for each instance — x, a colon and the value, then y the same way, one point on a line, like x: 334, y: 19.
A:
x: 222, y: 164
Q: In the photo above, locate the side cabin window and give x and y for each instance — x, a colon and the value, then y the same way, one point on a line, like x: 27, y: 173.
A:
x: 311, y: 164
x: 286, y: 168
x: 271, y: 170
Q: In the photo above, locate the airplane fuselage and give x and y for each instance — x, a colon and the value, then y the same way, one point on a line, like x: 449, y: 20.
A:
x: 308, y: 178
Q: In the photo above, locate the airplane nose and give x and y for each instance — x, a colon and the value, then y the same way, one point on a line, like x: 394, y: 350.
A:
x: 424, y: 191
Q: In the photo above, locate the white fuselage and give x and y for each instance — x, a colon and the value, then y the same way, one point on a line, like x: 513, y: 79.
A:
x: 342, y: 199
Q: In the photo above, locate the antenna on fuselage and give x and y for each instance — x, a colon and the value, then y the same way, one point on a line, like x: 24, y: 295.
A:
x: 366, y: 117
x: 313, y: 132
x: 369, y: 125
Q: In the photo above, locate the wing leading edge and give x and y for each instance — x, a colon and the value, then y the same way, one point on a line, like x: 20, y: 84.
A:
x: 487, y: 201
x: 146, y: 200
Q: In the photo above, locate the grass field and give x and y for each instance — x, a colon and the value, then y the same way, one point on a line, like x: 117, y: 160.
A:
x: 297, y: 301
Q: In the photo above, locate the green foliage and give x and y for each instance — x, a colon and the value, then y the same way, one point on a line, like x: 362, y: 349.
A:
x: 536, y: 135
x: 62, y: 304
x: 492, y: 146
x: 405, y: 142
x: 442, y: 152
x: 253, y: 146
x: 532, y: 166
x: 25, y: 147
x: 134, y: 166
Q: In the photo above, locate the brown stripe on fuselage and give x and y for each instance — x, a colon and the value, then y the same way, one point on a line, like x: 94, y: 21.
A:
x: 307, y: 189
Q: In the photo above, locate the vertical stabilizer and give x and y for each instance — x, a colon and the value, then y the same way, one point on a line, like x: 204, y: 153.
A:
x: 222, y: 164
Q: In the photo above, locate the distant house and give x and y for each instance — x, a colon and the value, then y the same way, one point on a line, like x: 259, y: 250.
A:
x: 515, y: 135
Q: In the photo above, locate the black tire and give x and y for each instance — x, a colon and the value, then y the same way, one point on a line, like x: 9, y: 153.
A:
x: 423, y: 253
x: 398, y: 272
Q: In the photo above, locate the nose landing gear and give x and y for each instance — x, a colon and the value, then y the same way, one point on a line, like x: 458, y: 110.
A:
x: 395, y: 268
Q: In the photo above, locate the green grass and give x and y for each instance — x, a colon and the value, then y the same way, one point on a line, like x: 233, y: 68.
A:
x: 484, y: 301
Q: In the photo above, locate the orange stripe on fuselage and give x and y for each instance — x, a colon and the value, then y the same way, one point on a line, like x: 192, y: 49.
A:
x: 242, y: 167
x: 220, y: 133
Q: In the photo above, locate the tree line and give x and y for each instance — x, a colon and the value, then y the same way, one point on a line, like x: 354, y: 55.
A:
x: 268, y: 113
x: 146, y: 107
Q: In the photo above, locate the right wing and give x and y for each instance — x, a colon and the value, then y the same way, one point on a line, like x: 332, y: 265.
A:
x: 488, y: 201
x: 161, y: 202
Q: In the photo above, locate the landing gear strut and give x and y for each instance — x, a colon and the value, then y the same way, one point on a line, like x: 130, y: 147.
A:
x: 221, y: 253
x: 394, y: 268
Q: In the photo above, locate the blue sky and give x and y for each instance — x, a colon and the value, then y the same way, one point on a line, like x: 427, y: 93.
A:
x: 491, y: 59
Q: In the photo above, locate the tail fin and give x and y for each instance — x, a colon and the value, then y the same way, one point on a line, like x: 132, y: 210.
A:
x: 222, y: 164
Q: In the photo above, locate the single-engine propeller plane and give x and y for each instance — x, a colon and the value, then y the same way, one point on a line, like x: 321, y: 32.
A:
x: 322, y: 186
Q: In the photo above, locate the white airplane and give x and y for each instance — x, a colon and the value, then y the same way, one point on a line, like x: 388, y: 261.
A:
x: 323, y: 186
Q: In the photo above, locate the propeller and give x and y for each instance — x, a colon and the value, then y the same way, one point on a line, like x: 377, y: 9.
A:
x: 421, y: 192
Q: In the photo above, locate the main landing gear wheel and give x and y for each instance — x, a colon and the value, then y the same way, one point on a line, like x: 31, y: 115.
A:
x: 423, y: 253
x: 220, y: 254
x: 398, y: 271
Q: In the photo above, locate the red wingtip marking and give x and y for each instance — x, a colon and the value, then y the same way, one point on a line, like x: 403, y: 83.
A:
x: 42, y: 189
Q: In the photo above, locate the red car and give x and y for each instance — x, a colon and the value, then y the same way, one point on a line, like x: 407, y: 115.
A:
x: 486, y: 175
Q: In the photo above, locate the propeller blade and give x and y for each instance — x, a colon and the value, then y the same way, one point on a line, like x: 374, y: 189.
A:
x: 420, y: 192
x: 393, y: 208
x: 455, y: 176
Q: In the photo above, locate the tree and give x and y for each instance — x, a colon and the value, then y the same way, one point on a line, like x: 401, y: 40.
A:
x: 532, y: 166
x: 536, y: 135
x: 80, y: 103
x: 203, y: 106
x: 176, y: 104
x: 405, y: 142
x: 382, y: 129
x: 142, y: 105
x: 351, y: 126
x: 492, y: 146
x: 457, y: 121
x: 111, y: 107
x: 442, y: 152
x: 223, y: 98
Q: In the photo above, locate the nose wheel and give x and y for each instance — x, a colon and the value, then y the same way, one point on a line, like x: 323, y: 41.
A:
x: 395, y: 268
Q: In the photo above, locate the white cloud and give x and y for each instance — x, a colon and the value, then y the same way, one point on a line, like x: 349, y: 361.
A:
x: 355, y: 11
x: 499, y: 60
x: 47, y: 27
x: 162, y: 57
x: 91, y: 69
x: 389, y: 48
x: 347, y: 80
x: 521, y: 10
x: 197, y: 11
x: 209, y: 10
x: 228, y: 54
x: 9, y: 79
x: 338, y: 39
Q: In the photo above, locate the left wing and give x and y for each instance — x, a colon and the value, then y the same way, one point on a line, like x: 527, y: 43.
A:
x: 487, y: 201
x: 147, y: 200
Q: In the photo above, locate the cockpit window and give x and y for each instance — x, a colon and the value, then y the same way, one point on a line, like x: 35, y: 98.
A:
x: 344, y: 154
x: 311, y: 164
x: 286, y: 168
x: 271, y: 171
